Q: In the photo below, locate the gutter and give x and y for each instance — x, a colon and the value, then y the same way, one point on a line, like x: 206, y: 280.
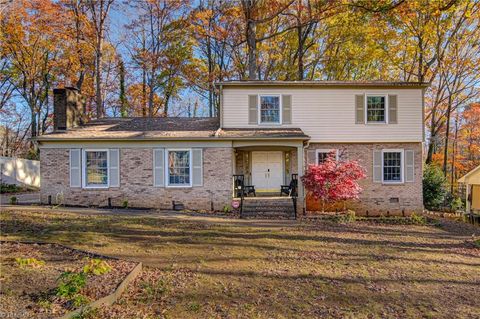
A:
x: 173, y: 139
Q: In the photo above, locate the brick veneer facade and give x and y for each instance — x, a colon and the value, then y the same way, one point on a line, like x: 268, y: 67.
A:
x: 378, y: 198
x: 136, y: 182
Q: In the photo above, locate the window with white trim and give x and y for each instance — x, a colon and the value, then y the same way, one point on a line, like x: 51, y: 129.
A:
x: 322, y: 155
x: 269, y: 109
x: 376, y: 109
x: 392, y: 166
x: 95, y: 168
x: 178, y: 167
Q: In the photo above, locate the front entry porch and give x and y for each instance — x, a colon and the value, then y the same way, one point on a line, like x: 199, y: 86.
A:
x: 267, y: 172
x: 265, y: 180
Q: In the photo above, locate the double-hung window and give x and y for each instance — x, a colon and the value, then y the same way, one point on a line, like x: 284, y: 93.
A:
x: 95, y: 168
x: 323, y: 154
x: 270, y: 112
x: 392, y: 166
x: 178, y: 168
x: 376, y: 109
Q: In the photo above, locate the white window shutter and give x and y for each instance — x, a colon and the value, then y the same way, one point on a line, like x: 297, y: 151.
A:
x: 114, y: 167
x: 159, y: 167
x: 409, y: 166
x: 75, y: 168
x: 392, y: 109
x: 253, y: 109
x: 360, y: 109
x: 377, y: 166
x: 197, y: 167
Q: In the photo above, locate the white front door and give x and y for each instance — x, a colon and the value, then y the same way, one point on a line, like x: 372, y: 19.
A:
x: 267, y: 171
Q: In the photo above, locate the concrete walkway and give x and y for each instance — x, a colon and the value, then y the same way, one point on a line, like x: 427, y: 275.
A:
x: 161, y: 214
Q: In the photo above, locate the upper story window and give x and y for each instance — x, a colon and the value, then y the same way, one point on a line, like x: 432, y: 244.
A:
x: 178, y: 168
x: 95, y: 168
x: 376, y: 109
x: 270, y: 109
x: 392, y: 170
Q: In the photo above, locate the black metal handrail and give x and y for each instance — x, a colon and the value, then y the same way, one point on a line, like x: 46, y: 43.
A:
x: 239, y: 189
x: 294, y: 193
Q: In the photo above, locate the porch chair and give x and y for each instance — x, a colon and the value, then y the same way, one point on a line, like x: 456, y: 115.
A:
x: 288, y: 189
x: 247, y: 189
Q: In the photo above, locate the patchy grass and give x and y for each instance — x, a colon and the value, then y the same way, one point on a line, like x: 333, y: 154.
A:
x: 202, y: 267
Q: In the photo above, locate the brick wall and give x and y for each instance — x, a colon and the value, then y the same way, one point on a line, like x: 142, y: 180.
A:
x: 136, y: 182
x: 378, y: 198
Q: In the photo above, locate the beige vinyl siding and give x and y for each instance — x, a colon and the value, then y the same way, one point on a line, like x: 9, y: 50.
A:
x: 328, y: 114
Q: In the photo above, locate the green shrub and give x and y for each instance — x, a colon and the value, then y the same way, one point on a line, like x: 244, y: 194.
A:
x: 9, y: 188
x: 97, y: 267
x: 418, y: 219
x: 70, y: 284
x: 125, y: 204
x: 31, y: 262
x: 456, y: 203
x: 153, y: 291
x: 13, y: 200
x: 434, y: 187
x: 226, y: 209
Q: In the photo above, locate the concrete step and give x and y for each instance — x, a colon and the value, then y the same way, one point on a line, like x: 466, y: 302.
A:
x: 268, y: 208
x: 268, y: 215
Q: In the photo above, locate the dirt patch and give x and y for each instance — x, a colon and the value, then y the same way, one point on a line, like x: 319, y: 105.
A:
x: 29, y: 279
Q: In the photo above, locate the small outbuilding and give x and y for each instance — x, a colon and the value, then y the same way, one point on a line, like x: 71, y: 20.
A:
x: 472, y: 183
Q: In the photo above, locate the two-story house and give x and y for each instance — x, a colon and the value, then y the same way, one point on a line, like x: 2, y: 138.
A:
x: 266, y: 134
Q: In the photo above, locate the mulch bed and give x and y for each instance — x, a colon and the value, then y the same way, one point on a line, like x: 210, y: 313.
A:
x: 30, y: 291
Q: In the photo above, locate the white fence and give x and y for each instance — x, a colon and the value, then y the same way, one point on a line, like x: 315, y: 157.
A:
x: 19, y: 171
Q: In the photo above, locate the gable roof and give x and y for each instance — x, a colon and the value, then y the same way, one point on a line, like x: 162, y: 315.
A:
x: 399, y: 84
x: 465, y: 178
x: 166, y: 128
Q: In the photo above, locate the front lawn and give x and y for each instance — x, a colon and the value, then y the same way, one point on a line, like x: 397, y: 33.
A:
x: 218, y: 268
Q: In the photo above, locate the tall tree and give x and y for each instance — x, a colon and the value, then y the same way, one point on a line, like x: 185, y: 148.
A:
x: 99, y: 10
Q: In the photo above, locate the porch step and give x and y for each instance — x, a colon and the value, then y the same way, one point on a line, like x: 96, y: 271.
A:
x: 274, y: 207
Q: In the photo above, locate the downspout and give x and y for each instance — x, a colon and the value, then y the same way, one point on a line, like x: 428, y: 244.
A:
x: 220, y: 109
x: 304, y: 195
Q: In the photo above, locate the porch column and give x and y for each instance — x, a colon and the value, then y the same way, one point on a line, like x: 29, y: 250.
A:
x: 300, y: 171
x: 467, y: 203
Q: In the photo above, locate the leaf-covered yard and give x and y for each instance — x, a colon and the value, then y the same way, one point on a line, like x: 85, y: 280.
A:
x: 205, y: 267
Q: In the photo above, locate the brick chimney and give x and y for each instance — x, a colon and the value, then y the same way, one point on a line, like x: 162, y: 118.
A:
x: 68, y: 108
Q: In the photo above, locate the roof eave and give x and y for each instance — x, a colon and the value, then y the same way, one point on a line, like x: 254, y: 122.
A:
x: 43, y: 140
x: 324, y: 84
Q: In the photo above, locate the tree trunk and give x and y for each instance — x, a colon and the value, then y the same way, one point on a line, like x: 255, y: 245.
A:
x: 98, y: 76
x: 33, y: 122
x: 454, y: 155
x: 123, y: 99
x: 144, y: 92
x: 210, y: 76
x: 251, y: 38
x: 432, y: 138
x: 447, y: 134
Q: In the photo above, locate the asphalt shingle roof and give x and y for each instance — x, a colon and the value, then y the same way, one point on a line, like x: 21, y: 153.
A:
x: 166, y: 128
